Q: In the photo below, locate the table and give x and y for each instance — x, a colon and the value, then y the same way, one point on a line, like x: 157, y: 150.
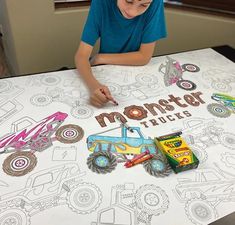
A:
x: 49, y: 176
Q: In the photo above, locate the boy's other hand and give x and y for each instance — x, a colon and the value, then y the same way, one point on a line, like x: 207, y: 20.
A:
x: 100, y: 96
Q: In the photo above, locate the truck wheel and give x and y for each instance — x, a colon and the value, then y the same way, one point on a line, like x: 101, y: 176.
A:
x: 152, y: 199
x: 69, y: 134
x: 218, y: 110
x: 186, y: 85
x: 102, y: 162
x: 81, y: 112
x: 84, y: 198
x: 221, y: 86
x: 19, y: 163
x: 14, y: 216
x: 200, y: 211
x: 157, y: 167
x: 228, y: 140
x: 41, y: 100
x: 190, y: 67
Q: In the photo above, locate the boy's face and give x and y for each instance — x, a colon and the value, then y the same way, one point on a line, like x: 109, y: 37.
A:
x: 133, y: 8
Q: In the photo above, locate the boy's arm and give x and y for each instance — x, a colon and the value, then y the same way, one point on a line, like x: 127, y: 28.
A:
x: 83, y: 65
x: 137, y: 58
x: 99, y: 94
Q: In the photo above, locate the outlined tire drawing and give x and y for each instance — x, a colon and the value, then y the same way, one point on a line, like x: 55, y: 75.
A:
x: 227, y: 140
x: 81, y: 112
x: 84, y: 198
x: 19, y: 163
x: 200, y: 153
x: 152, y: 199
x: 190, y: 67
x: 50, y: 80
x: 157, y: 167
x: 186, y: 85
x: 200, y: 211
x: 102, y: 162
x: 14, y: 216
x: 5, y: 86
x: 218, y: 110
x: 69, y: 134
x: 41, y: 100
x: 221, y: 86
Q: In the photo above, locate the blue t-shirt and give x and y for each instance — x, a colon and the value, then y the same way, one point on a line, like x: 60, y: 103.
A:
x: 118, y: 34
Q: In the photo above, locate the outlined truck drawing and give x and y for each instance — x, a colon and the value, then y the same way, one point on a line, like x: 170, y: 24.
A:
x: 109, y: 150
x: 203, y: 192
x: 60, y: 185
x: 27, y: 137
x: 202, y: 133
x: 129, y: 206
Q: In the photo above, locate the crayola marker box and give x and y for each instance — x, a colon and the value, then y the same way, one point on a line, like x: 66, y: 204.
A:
x: 178, y: 153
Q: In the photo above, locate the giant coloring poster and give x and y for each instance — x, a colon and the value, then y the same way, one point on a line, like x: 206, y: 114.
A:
x: 62, y: 160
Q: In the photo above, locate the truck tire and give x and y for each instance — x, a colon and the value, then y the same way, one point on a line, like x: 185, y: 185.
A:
x: 151, y: 199
x: 200, y: 211
x: 19, y: 163
x: 14, y: 216
x: 218, y: 110
x: 84, y: 198
x: 102, y: 162
x: 157, y: 166
x: 186, y: 85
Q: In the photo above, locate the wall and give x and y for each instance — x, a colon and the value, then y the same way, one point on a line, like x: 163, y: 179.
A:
x: 39, y: 38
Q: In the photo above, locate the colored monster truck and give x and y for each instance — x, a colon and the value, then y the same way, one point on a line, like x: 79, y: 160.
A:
x: 109, y: 150
x: 225, y: 106
x: 129, y: 206
x: 203, y: 192
x: 174, y: 72
x: 60, y: 185
x: 28, y: 136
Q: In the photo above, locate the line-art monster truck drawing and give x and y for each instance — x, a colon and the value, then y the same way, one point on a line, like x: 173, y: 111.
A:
x: 220, y: 80
x: 72, y: 98
x: 225, y: 106
x: 130, y: 207
x: 202, y: 133
x: 9, y: 106
x: 173, y: 73
x: 203, y: 192
x: 60, y: 185
x: 110, y: 150
x: 28, y: 136
x: 138, y: 89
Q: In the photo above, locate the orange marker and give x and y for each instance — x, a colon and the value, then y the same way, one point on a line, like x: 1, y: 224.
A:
x: 111, y: 99
x: 138, y: 161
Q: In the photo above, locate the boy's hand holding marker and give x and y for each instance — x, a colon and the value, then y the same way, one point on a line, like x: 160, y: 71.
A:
x: 101, y: 96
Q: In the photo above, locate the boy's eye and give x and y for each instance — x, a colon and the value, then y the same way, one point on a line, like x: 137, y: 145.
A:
x: 129, y: 2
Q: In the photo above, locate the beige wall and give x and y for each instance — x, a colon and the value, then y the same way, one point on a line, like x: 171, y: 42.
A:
x: 38, y: 38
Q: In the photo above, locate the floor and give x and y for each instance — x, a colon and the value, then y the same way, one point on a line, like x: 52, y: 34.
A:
x: 4, y: 70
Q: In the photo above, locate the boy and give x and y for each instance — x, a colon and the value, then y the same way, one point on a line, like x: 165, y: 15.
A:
x: 128, y: 30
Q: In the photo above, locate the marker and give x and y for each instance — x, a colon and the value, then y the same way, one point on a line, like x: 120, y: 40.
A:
x: 125, y: 125
x: 138, y: 161
x: 111, y: 99
x: 168, y: 136
x: 139, y: 156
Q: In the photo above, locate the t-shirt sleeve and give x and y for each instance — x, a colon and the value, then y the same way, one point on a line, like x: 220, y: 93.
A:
x: 91, y: 30
x: 155, y: 27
